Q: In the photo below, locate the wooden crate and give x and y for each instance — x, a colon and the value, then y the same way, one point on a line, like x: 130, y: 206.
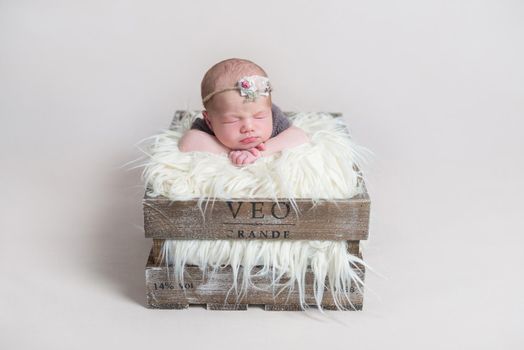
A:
x: 214, y: 291
x: 240, y: 218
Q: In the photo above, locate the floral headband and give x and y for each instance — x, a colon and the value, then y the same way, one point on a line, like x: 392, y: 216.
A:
x: 251, y: 87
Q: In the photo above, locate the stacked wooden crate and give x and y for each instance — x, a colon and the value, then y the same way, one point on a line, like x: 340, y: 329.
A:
x: 246, y: 219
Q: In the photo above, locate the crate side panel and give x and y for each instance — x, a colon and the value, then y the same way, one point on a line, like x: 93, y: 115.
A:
x: 257, y: 219
x: 197, y: 288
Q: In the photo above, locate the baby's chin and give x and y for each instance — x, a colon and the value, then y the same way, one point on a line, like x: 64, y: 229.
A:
x: 249, y: 145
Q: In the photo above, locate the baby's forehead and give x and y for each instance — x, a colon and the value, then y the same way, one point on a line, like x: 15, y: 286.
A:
x: 232, y: 103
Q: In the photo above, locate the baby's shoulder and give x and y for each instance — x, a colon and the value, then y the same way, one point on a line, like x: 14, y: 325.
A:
x: 280, y: 121
x: 200, y: 124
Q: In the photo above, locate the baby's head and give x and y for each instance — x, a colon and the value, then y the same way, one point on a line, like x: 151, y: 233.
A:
x: 239, y: 122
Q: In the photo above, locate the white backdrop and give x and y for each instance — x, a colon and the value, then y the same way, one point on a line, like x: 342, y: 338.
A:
x: 434, y: 88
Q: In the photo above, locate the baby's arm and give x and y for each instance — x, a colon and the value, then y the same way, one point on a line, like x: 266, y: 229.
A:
x: 289, y: 138
x: 196, y: 140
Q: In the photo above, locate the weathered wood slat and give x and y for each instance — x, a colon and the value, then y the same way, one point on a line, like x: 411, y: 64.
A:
x: 214, y: 291
x: 342, y: 219
x: 156, y: 250
x: 226, y: 307
x: 293, y: 307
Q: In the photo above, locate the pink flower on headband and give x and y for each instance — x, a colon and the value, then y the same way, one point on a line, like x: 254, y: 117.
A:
x: 254, y: 86
x: 248, y: 88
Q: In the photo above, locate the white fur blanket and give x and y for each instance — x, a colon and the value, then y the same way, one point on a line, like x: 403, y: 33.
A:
x: 325, y: 168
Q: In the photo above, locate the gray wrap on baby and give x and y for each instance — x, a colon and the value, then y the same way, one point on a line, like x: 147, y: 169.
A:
x: 280, y: 122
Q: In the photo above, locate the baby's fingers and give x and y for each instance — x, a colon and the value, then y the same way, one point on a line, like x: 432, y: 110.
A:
x: 254, y: 152
x: 241, y: 158
x: 233, y: 156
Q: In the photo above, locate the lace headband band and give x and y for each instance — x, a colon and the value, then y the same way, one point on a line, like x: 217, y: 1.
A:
x: 251, y: 87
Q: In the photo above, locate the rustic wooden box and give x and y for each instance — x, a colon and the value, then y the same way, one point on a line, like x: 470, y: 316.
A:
x: 257, y: 218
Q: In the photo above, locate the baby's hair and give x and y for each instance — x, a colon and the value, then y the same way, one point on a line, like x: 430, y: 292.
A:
x: 226, y: 73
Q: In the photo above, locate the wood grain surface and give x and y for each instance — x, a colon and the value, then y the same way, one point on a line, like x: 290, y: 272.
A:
x: 343, y: 219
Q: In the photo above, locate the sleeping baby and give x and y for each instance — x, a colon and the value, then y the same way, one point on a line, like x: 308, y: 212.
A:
x: 239, y: 117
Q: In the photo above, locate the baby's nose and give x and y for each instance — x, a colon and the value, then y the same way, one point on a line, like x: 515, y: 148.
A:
x: 247, y: 126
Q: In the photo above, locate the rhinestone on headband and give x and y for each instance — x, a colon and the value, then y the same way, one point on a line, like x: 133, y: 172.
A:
x: 250, y: 87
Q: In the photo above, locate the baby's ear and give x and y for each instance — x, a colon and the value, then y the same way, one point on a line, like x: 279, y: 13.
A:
x: 207, y: 120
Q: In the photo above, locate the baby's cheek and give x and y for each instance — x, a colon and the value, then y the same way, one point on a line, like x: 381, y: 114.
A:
x: 267, y: 128
x: 225, y: 136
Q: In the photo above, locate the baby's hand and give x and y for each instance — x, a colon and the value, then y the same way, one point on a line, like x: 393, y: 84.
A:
x: 261, y: 146
x: 244, y: 157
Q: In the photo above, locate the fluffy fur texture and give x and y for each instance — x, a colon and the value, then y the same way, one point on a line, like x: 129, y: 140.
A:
x: 278, y: 259
x: 326, y: 168
x: 321, y: 169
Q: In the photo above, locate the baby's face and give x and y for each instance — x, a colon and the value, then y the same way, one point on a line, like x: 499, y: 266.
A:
x: 238, y: 124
